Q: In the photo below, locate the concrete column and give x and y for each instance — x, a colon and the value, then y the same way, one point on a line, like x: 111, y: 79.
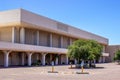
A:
x: 51, y: 40
x: 75, y: 61
x: 22, y: 35
x: 38, y: 37
x: 66, y: 59
x: 6, y: 58
x: 29, y: 58
x: 13, y: 34
x: 23, y: 59
x: 56, y: 61
x: 43, y: 58
x: 61, y: 41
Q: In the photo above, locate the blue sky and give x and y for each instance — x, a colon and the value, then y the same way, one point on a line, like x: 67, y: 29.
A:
x: 101, y: 17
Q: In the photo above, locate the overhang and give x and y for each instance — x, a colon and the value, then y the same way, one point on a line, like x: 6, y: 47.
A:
x: 30, y: 48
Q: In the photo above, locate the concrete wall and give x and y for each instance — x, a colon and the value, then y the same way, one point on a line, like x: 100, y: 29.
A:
x: 6, y: 34
x: 65, y: 42
x: 43, y: 38
x: 112, y: 49
x: 30, y: 36
x: 10, y: 18
x: 17, y: 35
x: 55, y: 40
x: 20, y: 17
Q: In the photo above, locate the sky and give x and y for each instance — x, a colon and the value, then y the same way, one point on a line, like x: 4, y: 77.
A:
x: 101, y: 17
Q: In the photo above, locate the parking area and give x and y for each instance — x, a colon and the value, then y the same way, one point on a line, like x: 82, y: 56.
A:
x: 106, y: 71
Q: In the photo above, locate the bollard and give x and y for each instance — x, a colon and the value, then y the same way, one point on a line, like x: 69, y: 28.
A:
x: 82, y: 69
x: 52, y: 71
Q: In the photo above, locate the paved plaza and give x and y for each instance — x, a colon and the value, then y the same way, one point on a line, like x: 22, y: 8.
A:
x: 107, y: 71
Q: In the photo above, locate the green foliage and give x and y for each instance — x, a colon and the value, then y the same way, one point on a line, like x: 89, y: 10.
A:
x: 85, y: 50
x: 117, y: 55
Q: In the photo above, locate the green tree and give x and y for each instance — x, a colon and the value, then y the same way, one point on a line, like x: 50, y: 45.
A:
x: 86, y: 50
x: 117, y: 56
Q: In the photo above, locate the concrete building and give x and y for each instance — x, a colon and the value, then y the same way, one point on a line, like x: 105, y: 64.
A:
x: 26, y: 37
x: 111, y: 49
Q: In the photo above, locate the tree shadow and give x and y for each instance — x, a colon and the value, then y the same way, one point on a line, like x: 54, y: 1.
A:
x: 88, y: 68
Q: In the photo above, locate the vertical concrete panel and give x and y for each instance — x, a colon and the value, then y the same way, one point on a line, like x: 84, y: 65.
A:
x: 111, y: 50
x: 65, y: 42
x: 31, y: 36
x: 55, y: 40
x: 43, y: 38
x: 17, y: 35
x: 6, y: 34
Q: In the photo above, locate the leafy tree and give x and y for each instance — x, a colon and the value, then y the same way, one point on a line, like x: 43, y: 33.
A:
x: 85, y: 50
x: 117, y: 56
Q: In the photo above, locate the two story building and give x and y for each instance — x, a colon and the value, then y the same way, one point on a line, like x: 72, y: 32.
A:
x: 26, y: 37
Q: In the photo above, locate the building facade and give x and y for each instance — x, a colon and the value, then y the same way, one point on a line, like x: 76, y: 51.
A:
x: 26, y: 38
x: 111, y: 49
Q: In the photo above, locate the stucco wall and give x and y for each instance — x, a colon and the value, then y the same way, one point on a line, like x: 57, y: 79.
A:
x: 17, y: 34
x: 55, y: 40
x: 30, y: 36
x: 6, y: 34
x: 43, y: 38
x: 111, y: 50
x: 19, y: 16
x: 65, y: 42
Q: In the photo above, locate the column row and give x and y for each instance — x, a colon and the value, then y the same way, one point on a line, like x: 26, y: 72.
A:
x: 22, y: 37
x: 29, y: 58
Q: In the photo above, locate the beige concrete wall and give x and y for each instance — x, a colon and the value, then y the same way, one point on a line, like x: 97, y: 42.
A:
x: 58, y: 27
x: 55, y: 40
x: 17, y: 35
x: 6, y: 34
x: 112, y: 49
x: 65, y: 42
x: 73, y: 39
x: 10, y: 18
x: 43, y: 38
x: 20, y: 17
x: 30, y: 36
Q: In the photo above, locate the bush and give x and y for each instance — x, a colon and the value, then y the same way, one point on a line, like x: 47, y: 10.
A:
x: 117, y: 56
